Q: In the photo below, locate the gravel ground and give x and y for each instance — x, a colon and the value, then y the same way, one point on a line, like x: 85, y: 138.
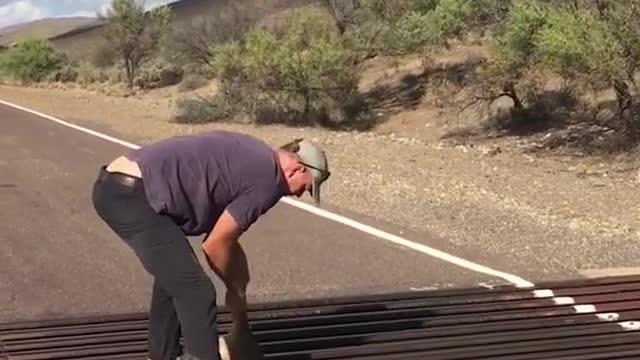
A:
x: 559, y: 214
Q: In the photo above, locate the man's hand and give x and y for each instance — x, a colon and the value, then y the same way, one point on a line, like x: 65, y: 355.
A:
x: 227, y: 259
x: 237, y: 303
x: 236, y: 298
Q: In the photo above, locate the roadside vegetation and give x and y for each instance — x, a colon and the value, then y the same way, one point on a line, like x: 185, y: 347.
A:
x: 551, y: 59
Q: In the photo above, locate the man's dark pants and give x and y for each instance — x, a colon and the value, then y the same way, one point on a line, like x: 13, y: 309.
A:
x: 184, y: 298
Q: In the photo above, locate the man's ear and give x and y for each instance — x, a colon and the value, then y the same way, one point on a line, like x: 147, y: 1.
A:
x: 295, y: 169
x: 301, y: 168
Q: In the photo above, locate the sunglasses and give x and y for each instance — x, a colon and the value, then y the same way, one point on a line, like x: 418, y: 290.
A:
x: 325, y: 173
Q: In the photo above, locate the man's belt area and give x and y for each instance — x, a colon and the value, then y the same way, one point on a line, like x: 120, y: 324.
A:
x: 123, y: 179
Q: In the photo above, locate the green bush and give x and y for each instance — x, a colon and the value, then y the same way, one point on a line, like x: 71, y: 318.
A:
x: 4, y: 72
x: 159, y: 74
x: 581, y: 43
x: 103, y: 56
x: 395, y: 28
x: 300, y: 73
x: 622, y: 18
x: 87, y: 74
x: 192, y: 81
x: 417, y: 30
x: 516, y: 44
x: 198, y: 111
x: 64, y: 75
x: 576, y: 44
x: 489, y: 14
x: 31, y: 60
x: 515, y: 53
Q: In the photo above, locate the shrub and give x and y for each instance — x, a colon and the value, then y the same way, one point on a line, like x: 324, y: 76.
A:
x: 516, y: 44
x: 194, y: 42
x: 32, y: 60
x: 192, y: 81
x: 103, y: 56
x: 299, y: 73
x: 515, y: 52
x: 159, y: 74
x: 87, y: 74
x: 576, y: 44
x: 65, y: 74
x: 134, y: 34
x: 198, y: 111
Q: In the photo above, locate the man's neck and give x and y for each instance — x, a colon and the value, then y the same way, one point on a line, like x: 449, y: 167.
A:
x: 283, y: 181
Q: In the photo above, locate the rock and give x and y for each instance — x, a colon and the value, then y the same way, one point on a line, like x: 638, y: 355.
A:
x: 574, y: 224
x: 605, y: 116
x: 491, y: 151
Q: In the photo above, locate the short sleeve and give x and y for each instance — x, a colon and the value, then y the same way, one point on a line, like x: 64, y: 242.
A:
x: 250, y: 204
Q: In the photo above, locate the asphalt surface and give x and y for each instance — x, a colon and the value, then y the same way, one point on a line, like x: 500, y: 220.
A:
x: 58, y: 259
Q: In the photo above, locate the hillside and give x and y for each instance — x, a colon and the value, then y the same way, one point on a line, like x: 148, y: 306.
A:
x: 78, y: 36
x: 82, y: 41
x: 44, y: 28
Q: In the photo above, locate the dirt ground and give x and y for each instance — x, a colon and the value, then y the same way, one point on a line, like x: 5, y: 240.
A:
x: 492, y: 194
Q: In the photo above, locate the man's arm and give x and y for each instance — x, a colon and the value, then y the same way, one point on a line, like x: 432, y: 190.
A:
x: 227, y: 259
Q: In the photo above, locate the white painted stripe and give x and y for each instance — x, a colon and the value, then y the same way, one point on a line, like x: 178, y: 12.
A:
x: 424, y: 288
x: 630, y: 325
x: 608, y: 316
x: 563, y: 300
x: 586, y: 308
x: 543, y: 293
x: 62, y: 122
x: 517, y: 281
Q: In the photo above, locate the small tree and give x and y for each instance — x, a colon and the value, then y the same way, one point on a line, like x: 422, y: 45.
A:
x: 597, y: 48
x: 134, y: 33
x: 305, y: 70
x: 372, y: 27
x: 514, y: 51
x: 578, y: 45
x: 31, y: 60
x: 621, y: 16
x: 429, y: 25
x: 344, y: 13
x: 196, y: 41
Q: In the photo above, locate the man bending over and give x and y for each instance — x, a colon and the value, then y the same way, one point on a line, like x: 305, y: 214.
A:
x: 217, y: 183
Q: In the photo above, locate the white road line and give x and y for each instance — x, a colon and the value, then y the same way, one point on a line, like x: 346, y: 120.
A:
x: 630, y: 325
x: 62, y: 122
x: 516, y: 280
x: 610, y: 317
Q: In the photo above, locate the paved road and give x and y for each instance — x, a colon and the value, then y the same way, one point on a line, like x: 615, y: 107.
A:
x: 58, y: 259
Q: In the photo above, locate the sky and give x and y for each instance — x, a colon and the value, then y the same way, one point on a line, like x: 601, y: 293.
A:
x: 18, y: 11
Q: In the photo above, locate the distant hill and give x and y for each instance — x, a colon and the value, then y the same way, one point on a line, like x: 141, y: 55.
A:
x: 45, y: 28
x: 79, y: 36
x: 81, y: 41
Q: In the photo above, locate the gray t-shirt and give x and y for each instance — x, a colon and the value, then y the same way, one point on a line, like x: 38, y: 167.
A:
x: 194, y: 179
